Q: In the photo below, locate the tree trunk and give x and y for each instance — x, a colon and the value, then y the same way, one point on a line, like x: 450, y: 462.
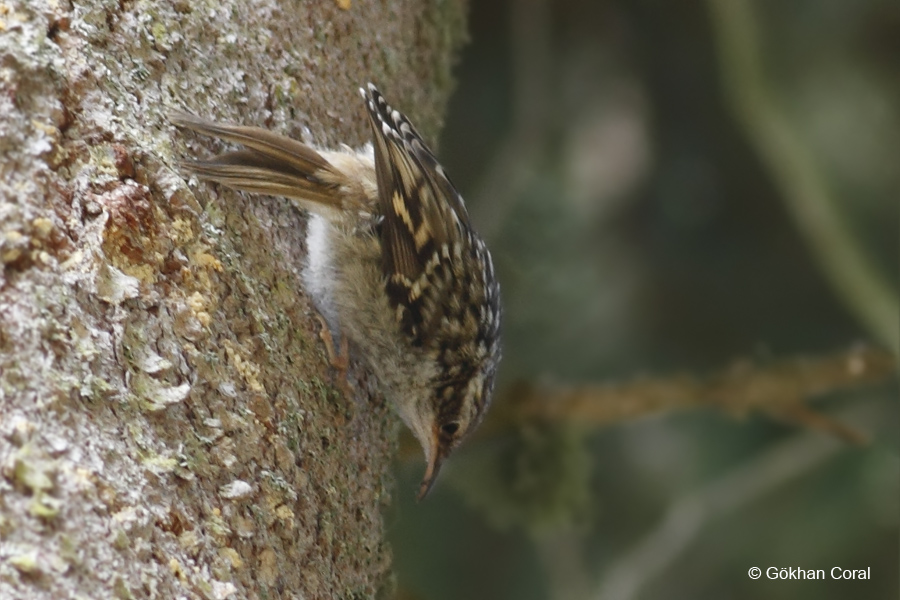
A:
x: 169, y: 423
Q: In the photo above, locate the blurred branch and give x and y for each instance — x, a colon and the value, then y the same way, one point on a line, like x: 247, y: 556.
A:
x: 793, y: 167
x: 779, y: 389
x: 513, y: 164
x: 687, y: 517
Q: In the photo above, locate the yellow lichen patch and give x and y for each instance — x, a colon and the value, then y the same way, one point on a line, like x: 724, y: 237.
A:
x: 32, y: 470
x: 120, y: 539
x: 344, y: 4
x: 103, y: 160
x: 232, y: 557
x: 198, y: 304
x: 285, y: 514
x: 206, y: 260
x: 202, y: 263
x: 160, y: 465
x: 248, y: 370
x: 159, y: 34
x: 12, y: 245
x: 145, y: 273
x: 45, y: 506
x: 182, y: 231
x: 43, y: 226
x: 217, y: 527
x: 26, y: 562
x: 131, y: 236
x: 10, y: 256
x: 46, y: 128
x: 176, y: 568
x: 268, y: 566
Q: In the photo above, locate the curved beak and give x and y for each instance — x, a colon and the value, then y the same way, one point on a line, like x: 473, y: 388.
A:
x: 436, y: 456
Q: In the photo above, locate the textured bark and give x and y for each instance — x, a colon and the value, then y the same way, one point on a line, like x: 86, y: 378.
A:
x: 169, y: 424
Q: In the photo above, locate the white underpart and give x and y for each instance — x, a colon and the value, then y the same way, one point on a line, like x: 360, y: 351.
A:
x: 318, y: 276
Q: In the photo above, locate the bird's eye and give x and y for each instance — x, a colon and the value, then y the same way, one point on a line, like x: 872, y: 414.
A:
x: 450, y: 428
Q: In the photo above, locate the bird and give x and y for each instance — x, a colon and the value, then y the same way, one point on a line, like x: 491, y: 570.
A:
x: 393, y: 263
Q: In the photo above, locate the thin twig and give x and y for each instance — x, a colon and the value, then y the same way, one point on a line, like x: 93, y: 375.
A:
x: 689, y: 515
x: 780, y: 389
x: 776, y: 388
x: 513, y: 165
x: 795, y: 172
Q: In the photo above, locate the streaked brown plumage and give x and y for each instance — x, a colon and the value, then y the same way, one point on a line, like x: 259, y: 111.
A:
x: 393, y: 262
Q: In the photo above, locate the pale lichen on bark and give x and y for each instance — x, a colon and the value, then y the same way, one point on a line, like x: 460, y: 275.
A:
x: 168, y: 422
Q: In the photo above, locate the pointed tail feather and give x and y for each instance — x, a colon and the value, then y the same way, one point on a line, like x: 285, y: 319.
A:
x: 271, y: 164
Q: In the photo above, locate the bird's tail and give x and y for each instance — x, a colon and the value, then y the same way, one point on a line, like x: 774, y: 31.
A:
x: 268, y: 164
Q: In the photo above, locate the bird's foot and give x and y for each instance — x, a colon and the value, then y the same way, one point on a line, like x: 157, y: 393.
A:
x: 339, y: 361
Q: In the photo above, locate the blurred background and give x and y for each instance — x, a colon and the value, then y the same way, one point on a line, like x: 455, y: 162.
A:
x: 670, y: 189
